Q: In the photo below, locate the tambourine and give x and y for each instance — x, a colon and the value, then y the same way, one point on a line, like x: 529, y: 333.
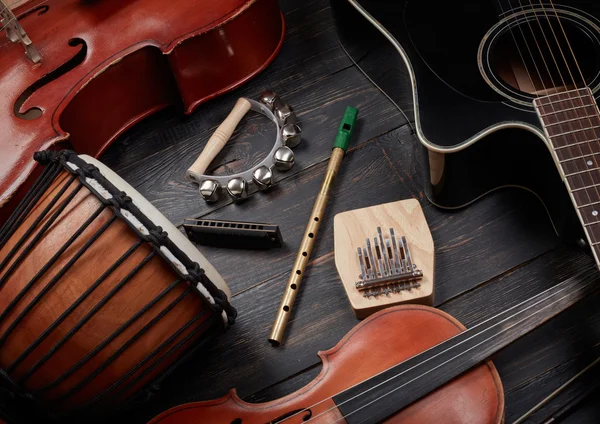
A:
x: 280, y: 157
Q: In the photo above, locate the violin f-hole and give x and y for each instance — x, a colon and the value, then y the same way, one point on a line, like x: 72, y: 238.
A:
x: 35, y: 111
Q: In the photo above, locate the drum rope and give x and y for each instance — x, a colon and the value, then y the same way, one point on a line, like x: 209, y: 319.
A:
x: 73, y: 306
x: 128, y: 343
x: 57, y: 276
x: 77, y: 326
x: 40, y: 233
x: 191, y: 274
x: 29, y: 201
x: 200, y: 329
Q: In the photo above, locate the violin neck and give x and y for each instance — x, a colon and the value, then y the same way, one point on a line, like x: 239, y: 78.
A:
x: 394, y: 389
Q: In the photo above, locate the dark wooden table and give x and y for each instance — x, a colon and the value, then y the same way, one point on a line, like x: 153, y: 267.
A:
x: 489, y: 256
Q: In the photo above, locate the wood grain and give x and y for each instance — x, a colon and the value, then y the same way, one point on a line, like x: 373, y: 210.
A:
x: 497, y: 251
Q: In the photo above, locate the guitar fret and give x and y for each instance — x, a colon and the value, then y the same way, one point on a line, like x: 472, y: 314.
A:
x: 578, y: 158
x: 575, y: 131
x: 571, y: 120
x: 563, y: 100
x: 568, y: 92
x: 582, y: 172
x: 584, y: 188
x: 575, y: 157
x: 576, y: 144
x: 589, y: 204
x: 565, y: 110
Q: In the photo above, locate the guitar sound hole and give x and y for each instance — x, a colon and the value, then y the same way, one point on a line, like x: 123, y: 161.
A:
x: 527, y: 55
x: 35, y: 112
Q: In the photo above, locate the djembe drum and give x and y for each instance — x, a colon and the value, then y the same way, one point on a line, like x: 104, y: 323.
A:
x: 100, y: 295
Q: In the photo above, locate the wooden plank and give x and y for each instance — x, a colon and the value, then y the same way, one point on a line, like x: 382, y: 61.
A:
x: 160, y: 175
x: 243, y: 358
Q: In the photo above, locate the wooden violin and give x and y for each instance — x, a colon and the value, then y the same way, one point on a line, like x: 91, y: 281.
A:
x: 95, y: 68
x: 407, y: 364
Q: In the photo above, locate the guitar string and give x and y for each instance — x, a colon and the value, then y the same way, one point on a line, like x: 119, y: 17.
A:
x: 510, y: 29
x: 552, y: 80
x: 529, y: 75
x: 552, y: 106
x: 567, y: 40
x: 449, y: 360
x: 570, y: 99
x: 554, y: 112
x: 482, y: 323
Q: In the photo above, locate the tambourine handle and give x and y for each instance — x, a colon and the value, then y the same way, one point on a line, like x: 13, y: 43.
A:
x: 218, y: 140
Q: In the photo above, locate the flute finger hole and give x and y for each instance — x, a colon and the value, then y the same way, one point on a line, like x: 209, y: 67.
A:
x: 311, y: 235
x: 293, y: 287
x: 298, y: 272
x: 286, y: 308
x: 304, y: 254
x: 316, y: 219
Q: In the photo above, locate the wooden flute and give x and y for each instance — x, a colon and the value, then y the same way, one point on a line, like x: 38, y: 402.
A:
x: 293, y: 285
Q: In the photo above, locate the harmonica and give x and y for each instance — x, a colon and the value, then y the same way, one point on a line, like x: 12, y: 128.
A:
x: 233, y: 234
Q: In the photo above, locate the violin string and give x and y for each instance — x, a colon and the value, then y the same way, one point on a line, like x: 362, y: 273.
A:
x: 16, y: 18
x: 449, y: 360
x: 542, y: 295
x: 554, y: 110
x: 551, y: 105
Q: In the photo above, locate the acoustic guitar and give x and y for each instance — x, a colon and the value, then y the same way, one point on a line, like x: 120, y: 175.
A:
x: 504, y: 94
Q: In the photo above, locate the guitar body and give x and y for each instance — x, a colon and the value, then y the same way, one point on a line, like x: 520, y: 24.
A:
x: 473, y: 112
x: 108, y: 64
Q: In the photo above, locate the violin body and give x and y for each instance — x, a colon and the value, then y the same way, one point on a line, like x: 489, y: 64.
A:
x: 376, y: 344
x: 108, y: 64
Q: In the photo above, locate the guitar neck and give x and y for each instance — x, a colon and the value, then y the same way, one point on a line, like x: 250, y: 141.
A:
x: 571, y: 121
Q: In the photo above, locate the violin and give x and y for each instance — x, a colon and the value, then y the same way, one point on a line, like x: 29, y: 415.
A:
x: 92, y: 69
x: 407, y: 364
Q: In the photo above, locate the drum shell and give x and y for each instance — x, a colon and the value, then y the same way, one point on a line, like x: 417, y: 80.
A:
x: 134, y: 325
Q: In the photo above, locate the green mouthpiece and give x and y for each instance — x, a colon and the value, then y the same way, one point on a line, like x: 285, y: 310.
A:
x: 346, y: 128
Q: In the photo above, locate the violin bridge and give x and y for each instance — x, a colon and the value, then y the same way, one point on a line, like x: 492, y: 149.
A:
x: 16, y: 33
x: 388, y: 268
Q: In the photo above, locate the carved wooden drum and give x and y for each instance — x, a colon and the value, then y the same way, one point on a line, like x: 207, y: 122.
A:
x: 100, y: 295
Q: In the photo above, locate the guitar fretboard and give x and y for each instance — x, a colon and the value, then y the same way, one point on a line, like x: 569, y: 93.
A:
x: 571, y: 121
